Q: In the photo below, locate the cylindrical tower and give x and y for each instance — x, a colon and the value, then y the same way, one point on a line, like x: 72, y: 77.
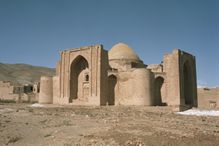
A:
x: 143, y: 81
x: 46, y: 90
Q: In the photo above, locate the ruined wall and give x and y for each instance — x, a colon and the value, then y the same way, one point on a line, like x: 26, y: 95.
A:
x: 17, y: 93
x: 208, y: 98
x: 7, y: 92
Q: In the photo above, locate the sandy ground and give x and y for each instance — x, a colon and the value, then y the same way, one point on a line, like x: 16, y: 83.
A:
x: 22, y: 125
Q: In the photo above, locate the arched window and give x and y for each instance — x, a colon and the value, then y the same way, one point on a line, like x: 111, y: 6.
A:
x: 86, y: 77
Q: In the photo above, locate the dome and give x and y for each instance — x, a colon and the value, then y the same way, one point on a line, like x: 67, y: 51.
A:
x: 122, y: 51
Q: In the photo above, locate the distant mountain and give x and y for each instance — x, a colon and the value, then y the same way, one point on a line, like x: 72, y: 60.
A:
x: 23, y: 73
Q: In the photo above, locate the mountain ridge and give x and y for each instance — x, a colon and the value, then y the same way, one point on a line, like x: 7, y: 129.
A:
x: 23, y: 73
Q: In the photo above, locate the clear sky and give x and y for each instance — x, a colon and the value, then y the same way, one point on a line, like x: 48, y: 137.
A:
x: 34, y: 31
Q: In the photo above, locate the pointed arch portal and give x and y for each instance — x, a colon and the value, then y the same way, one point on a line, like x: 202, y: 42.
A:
x: 77, y: 77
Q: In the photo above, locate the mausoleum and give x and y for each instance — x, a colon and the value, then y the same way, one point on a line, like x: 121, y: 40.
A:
x: 94, y: 76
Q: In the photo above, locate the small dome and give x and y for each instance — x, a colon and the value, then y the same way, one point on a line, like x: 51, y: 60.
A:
x: 122, y: 51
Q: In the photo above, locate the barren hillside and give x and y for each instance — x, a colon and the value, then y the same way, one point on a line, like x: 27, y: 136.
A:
x: 23, y: 73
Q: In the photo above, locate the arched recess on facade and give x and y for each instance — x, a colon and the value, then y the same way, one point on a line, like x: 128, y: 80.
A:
x: 78, y: 76
x: 112, y: 80
x: 159, y: 82
x: 187, y: 83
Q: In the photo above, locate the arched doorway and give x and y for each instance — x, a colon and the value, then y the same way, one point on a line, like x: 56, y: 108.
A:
x: 111, y: 92
x: 187, y: 84
x: 158, y: 86
x: 78, y: 76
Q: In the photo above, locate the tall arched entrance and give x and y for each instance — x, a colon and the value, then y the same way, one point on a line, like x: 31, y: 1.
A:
x: 187, y: 84
x: 111, y: 91
x: 79, y: 79
x: 158, y: 96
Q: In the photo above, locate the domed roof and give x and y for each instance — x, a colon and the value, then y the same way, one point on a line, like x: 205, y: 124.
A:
x: 122, y: 51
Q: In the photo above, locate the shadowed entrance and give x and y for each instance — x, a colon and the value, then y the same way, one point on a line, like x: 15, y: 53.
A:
x: 187, y: 74
x: 78, y: 77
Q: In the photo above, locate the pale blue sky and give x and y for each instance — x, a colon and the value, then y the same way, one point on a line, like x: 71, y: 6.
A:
x: 34, y: 31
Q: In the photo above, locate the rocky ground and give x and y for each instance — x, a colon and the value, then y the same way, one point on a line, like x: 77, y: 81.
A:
x: 23, y: 125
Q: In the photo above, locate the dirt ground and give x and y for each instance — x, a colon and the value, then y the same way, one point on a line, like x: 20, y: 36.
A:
x: 22, y: 125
